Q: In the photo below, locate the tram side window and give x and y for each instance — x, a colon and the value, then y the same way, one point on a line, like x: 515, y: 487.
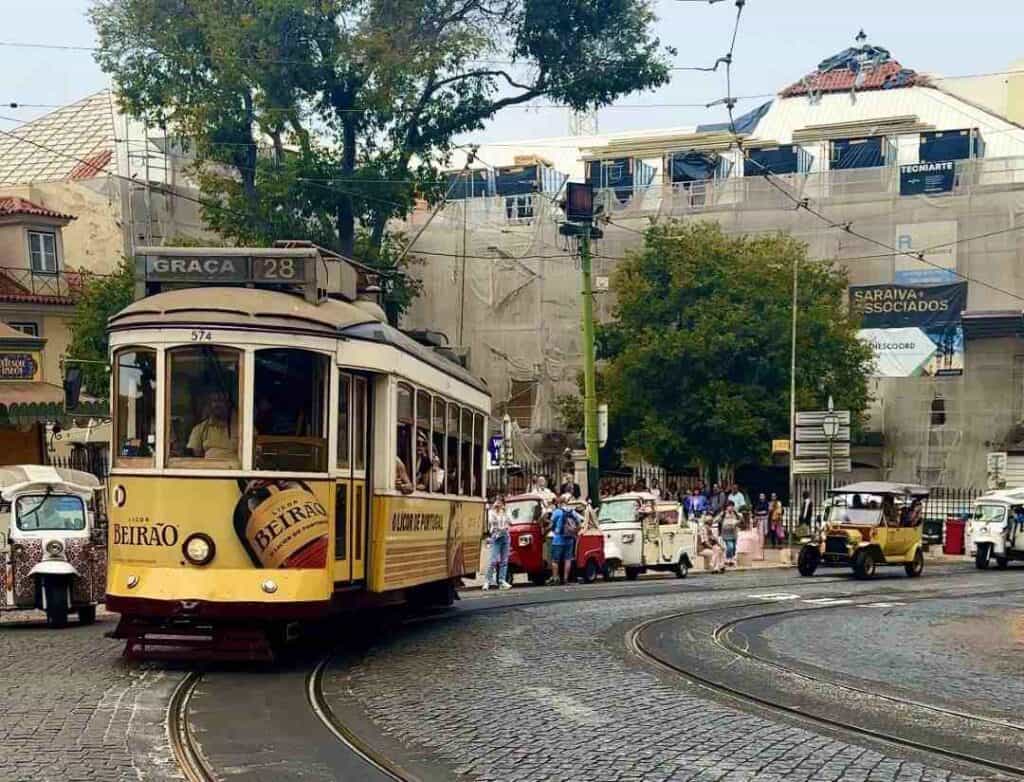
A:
x: 437, y: 422
x: 344, y: 420
x: 403, y: 439
x: 136, y: 407
x: 359, y: 423
x: 453, y: 449
x: 425, y: 457
x: 466, y: 439
x: 479, y: 439
x: 202, y: 400
x: 289, y: 414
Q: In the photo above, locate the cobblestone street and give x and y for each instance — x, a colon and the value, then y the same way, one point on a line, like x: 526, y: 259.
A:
x: 73, y: 709
x: 546, y: 693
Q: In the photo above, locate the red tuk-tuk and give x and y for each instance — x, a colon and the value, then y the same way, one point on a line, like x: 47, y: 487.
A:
x: 530, y: 544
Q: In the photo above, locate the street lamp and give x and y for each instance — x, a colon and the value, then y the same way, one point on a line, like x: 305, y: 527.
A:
x: 830, y: 426
x: 506, y: 448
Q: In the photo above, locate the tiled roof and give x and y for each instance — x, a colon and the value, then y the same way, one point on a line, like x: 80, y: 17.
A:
x: 13, y: 205
x: 83, y: 131
x: 866, y: 68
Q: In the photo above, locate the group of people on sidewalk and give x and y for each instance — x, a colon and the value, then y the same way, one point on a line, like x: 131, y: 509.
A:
x: 565, y: 524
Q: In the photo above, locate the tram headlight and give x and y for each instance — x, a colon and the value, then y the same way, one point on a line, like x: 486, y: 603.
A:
x: 199, y: 548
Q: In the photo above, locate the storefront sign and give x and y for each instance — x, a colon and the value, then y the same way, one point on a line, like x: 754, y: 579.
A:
x: 927, y: 178
x: 18, y: 366
x: 913, y: 330
x: 938, y: 242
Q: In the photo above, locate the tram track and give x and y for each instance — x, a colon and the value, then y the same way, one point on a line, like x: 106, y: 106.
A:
x: 636, y: 644
x: 196, y: 767
x: 186, y: 751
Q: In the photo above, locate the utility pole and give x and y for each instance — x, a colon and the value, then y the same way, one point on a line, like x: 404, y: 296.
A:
x: 579, y: 225
x: 590, y: 434
x: 792, y: 399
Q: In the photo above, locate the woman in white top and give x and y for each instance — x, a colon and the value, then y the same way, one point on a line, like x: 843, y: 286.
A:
x: 498, y: 537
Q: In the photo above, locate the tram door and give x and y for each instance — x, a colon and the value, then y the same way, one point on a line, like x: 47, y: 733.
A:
x: 352, y: 498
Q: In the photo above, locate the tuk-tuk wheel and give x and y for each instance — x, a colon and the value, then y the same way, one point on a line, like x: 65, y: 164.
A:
x: 916, y: 566
x: 808, y: 560
x: 608, y: 571
x: 1002, y: 563
x: 86, y: 615
x: 590, y: 571
x: 56, y: 593
x: 682, y: 570
x: 982, y: 555
x: 864, y: 564
x: 632, y: 573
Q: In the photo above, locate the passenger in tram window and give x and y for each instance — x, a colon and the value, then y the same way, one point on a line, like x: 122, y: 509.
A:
x: 402, y: 482
x: 216, y: 436
x: 424, y: 463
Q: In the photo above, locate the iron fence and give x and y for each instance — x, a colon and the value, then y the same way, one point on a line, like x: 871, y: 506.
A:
x: 89, y: 460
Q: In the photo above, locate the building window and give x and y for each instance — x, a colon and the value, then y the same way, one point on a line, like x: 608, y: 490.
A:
x: 521, y: 402
x: 519, y: 208
x: 42, y: 248
x: 25, y: 327
x: 858, y: 153
x: 942, y: 145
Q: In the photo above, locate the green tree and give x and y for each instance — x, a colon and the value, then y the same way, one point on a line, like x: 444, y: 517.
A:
x: 696, y: 363
x: 325, y: 119
x: 101, y: 297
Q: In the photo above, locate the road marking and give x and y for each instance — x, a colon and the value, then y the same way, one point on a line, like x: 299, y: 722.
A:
x: 775, y: 596
x: 881, y: 605
x: 827, y: 601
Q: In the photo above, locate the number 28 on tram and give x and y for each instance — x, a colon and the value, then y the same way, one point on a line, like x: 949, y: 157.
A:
x: 276, y: 459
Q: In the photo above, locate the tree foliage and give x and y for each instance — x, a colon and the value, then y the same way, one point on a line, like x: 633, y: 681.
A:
x: 102, y: 296
x: 325, y: 119
x: 697, y: 360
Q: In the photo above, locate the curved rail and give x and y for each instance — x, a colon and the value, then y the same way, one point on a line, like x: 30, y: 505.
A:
x: 636, y: 645
x: 317, y: 701
x: 187, y: 754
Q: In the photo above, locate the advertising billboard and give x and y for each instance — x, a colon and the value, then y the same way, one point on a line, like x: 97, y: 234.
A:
x: 914, y: 330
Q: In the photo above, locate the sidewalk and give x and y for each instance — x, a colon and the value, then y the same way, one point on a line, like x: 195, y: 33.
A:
x: 782, y: 557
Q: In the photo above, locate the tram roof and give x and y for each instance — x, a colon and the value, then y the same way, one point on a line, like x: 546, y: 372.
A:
x: 263, y: 310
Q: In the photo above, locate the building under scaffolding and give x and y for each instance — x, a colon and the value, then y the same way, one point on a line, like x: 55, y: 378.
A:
x: 911, y: 161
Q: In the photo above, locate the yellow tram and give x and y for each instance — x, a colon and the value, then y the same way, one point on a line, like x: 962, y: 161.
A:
x: 280, y: 453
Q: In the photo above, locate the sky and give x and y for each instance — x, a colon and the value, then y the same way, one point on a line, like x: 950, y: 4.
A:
x: 778, y: 42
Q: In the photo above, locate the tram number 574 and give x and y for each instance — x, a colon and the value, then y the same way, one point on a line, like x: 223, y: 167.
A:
x: 202, y: 335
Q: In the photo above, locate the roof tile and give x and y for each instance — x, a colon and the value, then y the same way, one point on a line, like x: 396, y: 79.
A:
x: 14, y: 205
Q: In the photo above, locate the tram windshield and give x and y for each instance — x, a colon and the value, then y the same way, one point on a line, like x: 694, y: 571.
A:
x: 135, y: 407
x: 50, y: 512
x: 289, y: 413
x: 203, y: 421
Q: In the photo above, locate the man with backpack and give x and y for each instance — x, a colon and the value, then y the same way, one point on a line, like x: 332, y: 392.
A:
x: 565, y: 523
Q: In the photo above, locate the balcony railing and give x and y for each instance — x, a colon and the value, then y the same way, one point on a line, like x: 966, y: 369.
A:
x: 22, y: 281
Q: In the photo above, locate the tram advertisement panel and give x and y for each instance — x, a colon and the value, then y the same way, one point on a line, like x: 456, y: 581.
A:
x: 252, y: 523
x: 422, y: 540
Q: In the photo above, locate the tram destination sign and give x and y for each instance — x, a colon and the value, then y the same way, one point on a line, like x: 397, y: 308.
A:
x: 231, y: 269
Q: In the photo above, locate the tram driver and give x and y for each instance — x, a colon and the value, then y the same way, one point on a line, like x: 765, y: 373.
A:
x: 216, y: 435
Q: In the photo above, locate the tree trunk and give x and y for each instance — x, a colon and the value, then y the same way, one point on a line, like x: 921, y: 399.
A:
x: 346, y: 214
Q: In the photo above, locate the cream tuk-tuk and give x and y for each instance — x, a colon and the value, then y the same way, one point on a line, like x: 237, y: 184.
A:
x: 994, y: 531
x: 54, y: 559
x: 643, y: 533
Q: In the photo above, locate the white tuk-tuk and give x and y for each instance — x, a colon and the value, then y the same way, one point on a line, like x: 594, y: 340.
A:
x: 993, y: 531
x: 642, y: 533
x: 54, y: 559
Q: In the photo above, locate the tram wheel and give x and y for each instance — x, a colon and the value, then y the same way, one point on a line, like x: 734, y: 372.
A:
x: 590, y: 571
x: 86, y: 615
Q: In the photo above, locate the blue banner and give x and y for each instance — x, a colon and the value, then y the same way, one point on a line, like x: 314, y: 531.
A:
x: 927, y: 178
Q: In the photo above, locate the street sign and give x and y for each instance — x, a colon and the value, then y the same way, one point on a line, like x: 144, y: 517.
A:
x: 500, y: 451
x: 814, y: 446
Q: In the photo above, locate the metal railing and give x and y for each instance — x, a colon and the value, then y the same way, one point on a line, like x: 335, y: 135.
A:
x: 37, y: 283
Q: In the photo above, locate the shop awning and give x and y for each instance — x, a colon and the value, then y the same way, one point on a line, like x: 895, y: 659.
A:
x: 23, y: 392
